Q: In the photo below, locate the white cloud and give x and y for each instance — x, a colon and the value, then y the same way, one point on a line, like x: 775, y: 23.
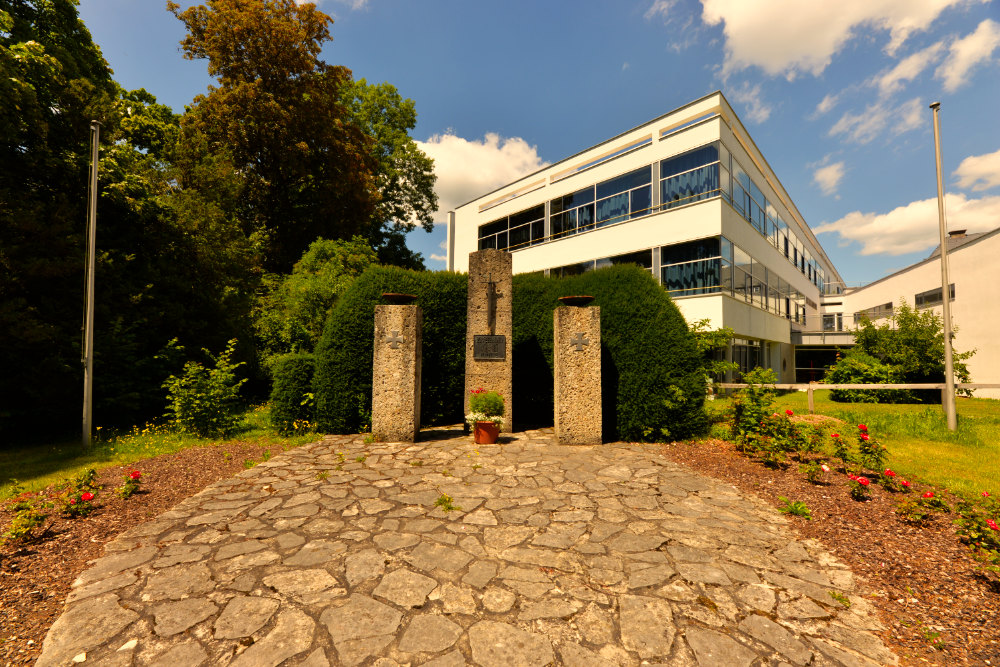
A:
x: 914, y: 227
x: 879, y: 119
x: 966, y: 53
x: 467, y: 168
x: 828, y: 178
x: 825, y: 104
x: 660, y: 8
x: 979, y: 172
x: 439, y: 258
x: 907, y: 69
x: 791, y: 37
x: 750, y: 96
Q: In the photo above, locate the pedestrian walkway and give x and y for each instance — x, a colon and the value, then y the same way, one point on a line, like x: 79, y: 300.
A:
x: 445, y: 553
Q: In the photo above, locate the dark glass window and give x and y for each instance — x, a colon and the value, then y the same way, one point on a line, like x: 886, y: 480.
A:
x: 692, y: 277
x: 690, y: 251
x: 625, y: 182
x: 690, y: 160
x: 643, y: 258
x: 933, y: 297
x: 690, y: 186
x: 612, y: 209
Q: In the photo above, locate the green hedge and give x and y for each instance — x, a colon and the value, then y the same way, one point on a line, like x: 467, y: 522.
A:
x: 653, y: 377
x: 291, y: 391
x: 653, y: 380
x: 343, y: 381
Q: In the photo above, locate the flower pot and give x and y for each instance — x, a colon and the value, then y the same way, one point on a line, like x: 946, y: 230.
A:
x: 486, y: 433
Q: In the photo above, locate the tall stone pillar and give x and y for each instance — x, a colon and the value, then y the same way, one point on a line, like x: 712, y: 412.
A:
x: 396, y: 373
x: 490, y: 328
x: 577, y: 356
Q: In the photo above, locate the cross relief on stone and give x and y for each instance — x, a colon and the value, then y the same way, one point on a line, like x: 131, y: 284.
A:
x: 394, y: 340
x: 579, y: 341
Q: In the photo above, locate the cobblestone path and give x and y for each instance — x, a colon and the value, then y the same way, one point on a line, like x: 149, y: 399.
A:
x: 444, y: 553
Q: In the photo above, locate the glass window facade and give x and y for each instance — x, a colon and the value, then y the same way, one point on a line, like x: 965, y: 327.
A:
x: 519, y: 230
x: 624, y: 197
x: 690, y: 177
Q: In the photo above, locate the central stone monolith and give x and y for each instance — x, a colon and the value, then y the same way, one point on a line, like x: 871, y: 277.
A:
x: 490, y: 328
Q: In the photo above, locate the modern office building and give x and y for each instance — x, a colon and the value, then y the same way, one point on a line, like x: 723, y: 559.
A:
x: 689, y: 197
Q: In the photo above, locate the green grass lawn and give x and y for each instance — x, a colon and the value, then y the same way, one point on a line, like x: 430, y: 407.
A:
x: 966, y: 462
x: 37, y: 466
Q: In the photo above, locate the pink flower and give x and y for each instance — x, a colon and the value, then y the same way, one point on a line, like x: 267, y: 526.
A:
x: 87, y: 495
x: 929, y: 494
x: 992, y: 524
x: 889, y: 473
x: 72, y: 501
x: 834, y: 435
x: 864, y: 436
x: 863, y: 481
x: 789, y: 413
x: 852, y: 476
x: 985, y: 494
x: 905, y: 483
x: 862, y: 427
x: 825, y: 468
x: 135, y: 474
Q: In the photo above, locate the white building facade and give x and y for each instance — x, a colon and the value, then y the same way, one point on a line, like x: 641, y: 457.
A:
x: 689, y: 197
x: 974, y: 273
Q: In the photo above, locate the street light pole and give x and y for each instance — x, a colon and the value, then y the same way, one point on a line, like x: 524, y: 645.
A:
x: 88, y: 305
x: 948, y: 397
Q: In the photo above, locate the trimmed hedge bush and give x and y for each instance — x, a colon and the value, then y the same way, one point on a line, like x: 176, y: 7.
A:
x: 652, y: 373
x: 343, y: 380
x: 292, y: 404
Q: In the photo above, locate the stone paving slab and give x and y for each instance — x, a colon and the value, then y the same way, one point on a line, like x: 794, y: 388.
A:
x: 445, y: 553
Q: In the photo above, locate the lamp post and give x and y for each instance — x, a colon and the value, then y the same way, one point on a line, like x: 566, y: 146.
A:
x: 88, y: 302
x: 948, y: 398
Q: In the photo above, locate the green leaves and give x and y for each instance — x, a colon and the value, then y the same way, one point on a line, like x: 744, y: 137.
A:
x: 205, y: 401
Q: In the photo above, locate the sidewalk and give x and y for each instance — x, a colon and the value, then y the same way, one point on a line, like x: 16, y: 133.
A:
x: 445, y: 553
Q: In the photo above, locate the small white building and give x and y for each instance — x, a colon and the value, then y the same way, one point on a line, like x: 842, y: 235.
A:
x: 973, y: 274
x: 689, y: 197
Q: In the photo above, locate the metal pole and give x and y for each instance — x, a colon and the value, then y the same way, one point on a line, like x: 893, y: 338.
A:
x: 88, y: 318
x: 948, y: 394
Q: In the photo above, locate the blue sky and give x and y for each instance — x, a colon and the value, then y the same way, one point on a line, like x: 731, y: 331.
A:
x: 835, y: 94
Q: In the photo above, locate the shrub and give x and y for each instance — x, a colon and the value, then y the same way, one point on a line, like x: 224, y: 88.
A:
x: 205, y: 401
x: 292, y: 404
x: 489, y: 403
x: 342, y: 383
x: 857, y: 367
x: 653, y: 385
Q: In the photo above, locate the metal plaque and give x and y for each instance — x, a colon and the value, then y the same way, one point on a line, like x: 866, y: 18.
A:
x: 489, y: 348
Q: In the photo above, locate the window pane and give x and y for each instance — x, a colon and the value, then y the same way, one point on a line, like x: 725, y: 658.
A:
x: 491, y: 228
x: 585, y: 217
x: 690, y: 187
x: 690, y: 160
x: 741, y: 258
x: 641, y: 199
x: 520, y: 236
x: 612, y: 209
x: 643, y: 258
x: 625, y: 182
x: 727, y: 249
x: 537, y: 231
x: 689, y: 251
x: 528, y: 215
x: 488, y: 242
x: 692, y: 278
x: 501, y: 241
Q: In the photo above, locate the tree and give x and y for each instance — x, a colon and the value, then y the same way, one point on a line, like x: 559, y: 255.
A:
x: 53, y: 81
x: 290, y: 313
x: 908, y: 349
x: 278, y: 117
x: 405, y: 175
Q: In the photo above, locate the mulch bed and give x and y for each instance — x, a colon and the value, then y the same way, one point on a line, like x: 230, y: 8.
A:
x: 922, y: 579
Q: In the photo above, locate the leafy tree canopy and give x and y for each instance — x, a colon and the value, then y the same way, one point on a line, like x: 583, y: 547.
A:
x: 290, y: 314
x: 277, y: 115
x: 907, y: 348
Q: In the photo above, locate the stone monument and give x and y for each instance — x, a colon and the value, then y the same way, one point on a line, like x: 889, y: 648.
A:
x: 490, y: 328
x: 577, y: 357
x: 396, y: 372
